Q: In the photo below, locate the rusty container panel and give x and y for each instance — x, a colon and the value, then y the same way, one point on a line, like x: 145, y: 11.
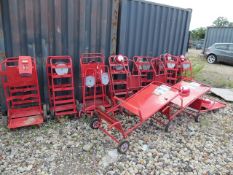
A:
x: 148, y: 28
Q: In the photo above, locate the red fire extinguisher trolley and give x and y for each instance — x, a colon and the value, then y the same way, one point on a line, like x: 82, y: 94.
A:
x: 21, y: 89
x: 61, y: 86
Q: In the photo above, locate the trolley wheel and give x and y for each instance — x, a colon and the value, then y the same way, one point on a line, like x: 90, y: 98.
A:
x: 101, y: 108
x: 167, y: 126
x: 4, y: 120
x: 95, y: 123
x: 196, y: 118
x: 123, y: 147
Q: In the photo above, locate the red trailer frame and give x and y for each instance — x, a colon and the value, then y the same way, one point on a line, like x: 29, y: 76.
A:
x: 124, y: 83
x: 21, y: 89
x: 61, y: 86
x: 96, y: 82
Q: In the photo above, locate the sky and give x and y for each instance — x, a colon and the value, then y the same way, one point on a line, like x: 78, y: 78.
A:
x: 204, y: 12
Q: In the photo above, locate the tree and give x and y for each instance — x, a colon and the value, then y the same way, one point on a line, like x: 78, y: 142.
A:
x: 198, y: 33
x: 230, y: 24
x: 222, y: 22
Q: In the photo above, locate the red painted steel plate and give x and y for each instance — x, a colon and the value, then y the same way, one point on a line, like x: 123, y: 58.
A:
x: 149, y: 100
x: 196, y: 91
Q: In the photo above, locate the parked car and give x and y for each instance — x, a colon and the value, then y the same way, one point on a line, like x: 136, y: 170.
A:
x: 219, y: 52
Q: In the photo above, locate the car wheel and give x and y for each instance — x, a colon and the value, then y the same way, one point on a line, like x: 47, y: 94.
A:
x: 211, y: 59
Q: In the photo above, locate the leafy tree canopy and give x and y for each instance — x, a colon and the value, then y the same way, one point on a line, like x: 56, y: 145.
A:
x: 198, y: 33
x: 222, y: 22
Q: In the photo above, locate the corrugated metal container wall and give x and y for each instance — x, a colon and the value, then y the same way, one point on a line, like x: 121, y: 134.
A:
x: 2, y: 54
x: 152, y: 29
x: 218, y: 35
x: 58, y: 27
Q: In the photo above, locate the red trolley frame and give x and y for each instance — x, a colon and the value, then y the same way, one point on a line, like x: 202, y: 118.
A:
x: 160, y: 74
x: 93, y: 70
x: 177, y: 68
x: 21, y: 89
x: 185, y: 69
x: 61, y: 86
x: 124, y: 83
x: 171, y: 63
x: 143, y: 64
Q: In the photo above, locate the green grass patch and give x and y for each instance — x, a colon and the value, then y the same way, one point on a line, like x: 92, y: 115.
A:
x: 197, y: 64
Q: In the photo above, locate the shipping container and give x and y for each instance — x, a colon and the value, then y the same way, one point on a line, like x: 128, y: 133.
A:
x: 148, y: 28
x: 218, y: 35
x: 70, y: 27
x: 58, y: 27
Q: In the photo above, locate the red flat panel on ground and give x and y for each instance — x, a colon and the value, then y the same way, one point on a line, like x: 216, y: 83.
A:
x: 149, y: 100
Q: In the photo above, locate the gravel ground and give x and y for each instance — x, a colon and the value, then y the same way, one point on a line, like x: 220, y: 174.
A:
x: 72, y: 147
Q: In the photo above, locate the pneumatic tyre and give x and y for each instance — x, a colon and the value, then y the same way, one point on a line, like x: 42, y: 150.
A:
x: 123, y: 147
x: 95, y: 123
x: 211, y: 59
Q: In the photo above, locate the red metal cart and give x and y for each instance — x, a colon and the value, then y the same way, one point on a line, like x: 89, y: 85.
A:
x: 156, y: 98
x: 21, y: 89
x: 143, y: 104
x: 145, y: 68
x: 190, y: 100
x: 159, y: 69
x: 96, y: 84
x: 185, y: 69
x: 61, y: 86
x: 177, y: 68
x: 171, y: 63
x: 123, y: 81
